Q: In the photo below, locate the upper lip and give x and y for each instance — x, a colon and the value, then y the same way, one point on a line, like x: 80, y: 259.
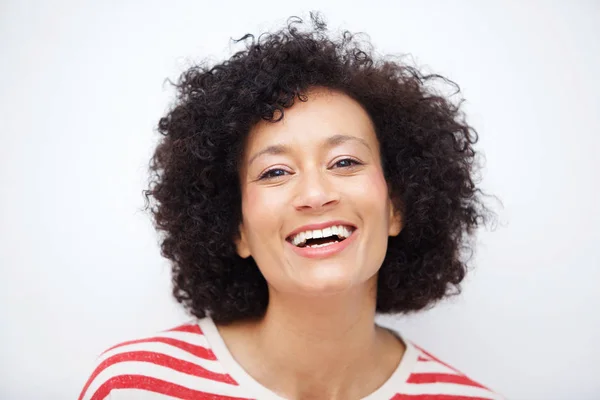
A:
x: 322, y: 225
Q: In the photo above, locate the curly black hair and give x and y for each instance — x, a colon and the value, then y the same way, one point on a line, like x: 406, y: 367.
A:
x: 427, y: 154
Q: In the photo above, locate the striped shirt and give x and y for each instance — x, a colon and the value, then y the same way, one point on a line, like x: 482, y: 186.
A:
x: 192, y: 361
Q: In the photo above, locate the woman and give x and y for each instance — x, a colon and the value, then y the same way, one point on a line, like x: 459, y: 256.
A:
x: 302, y: 187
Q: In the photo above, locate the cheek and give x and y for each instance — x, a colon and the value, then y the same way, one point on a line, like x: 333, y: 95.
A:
x: 372, y: 191
x: 379, y: 184
x: 260, y: 209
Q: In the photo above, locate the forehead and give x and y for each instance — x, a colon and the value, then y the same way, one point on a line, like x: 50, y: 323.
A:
x: 324, y: 114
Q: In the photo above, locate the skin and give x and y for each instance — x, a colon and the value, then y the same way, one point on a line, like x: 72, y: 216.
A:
x: 320, y: 163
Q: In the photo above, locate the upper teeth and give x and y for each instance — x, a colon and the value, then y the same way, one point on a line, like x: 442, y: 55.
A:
x: 339, y: 230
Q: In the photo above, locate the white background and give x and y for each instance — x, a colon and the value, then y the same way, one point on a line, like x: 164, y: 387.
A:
x: 82, y: 88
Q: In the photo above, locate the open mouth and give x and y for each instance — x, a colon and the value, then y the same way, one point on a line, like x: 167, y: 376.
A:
x: 321, y: 237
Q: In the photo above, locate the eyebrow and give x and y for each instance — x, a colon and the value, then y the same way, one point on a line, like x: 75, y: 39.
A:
x: 331, y: 141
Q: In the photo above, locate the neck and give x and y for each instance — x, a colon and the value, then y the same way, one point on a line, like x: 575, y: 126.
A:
x: 337, y: 350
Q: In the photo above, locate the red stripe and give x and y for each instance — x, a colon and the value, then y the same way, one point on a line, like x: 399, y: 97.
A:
x: 437, y: 359
x: 162, y: 360
x: 191, y: 328
x: 196, y: 350
x: 157, y: 386
x: 435, y: 397
x: 445, y: 378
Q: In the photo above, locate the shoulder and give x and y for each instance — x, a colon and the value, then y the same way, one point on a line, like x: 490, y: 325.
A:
x: 430, y: 376
x: 174, y: 363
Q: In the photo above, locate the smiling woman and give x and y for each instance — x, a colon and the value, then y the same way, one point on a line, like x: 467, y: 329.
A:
x: 302, y: 187
x: 330, y: 181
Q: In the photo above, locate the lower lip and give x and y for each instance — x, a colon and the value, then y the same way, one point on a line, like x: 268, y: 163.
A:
x: 325, y: 251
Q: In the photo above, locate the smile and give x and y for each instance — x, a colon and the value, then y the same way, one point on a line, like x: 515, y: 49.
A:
x: 316, y: 241
x: 321, y: 237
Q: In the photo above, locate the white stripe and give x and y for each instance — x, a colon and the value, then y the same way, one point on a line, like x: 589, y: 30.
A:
x: 137, y: 394
x: 433, y: 367
x: 166, y: 349
x: 449, y: 389
x: 191, y: 338
x: 167, y: 374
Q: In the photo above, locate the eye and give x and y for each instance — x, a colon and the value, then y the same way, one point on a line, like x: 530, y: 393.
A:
x: 347, y: 163
x: 272, y: 173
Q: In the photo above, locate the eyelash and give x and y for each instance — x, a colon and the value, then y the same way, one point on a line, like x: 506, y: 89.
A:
x: 266, y: 176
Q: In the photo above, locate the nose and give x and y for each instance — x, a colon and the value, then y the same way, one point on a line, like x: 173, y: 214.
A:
x: 315, y: 192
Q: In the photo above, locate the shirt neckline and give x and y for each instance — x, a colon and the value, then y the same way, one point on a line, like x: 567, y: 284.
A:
x: 390, y: 387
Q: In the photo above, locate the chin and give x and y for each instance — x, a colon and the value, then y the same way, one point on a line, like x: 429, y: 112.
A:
x: 326, y: 281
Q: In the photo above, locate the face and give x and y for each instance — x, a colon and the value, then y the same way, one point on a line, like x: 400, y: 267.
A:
x: 316, y: 213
